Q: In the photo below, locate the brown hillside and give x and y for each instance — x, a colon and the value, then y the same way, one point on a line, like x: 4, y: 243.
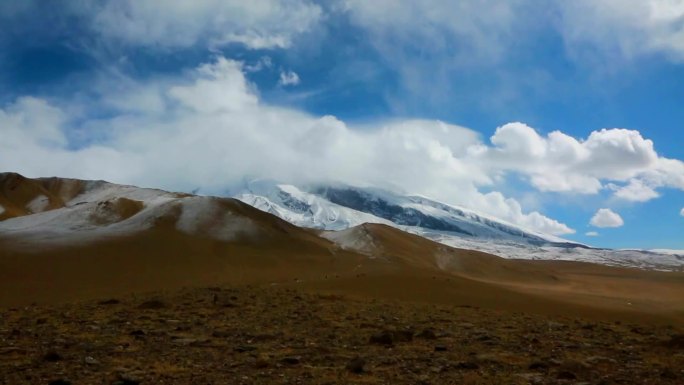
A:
x: 17, y: 192
x: 447, y: 275
x: 270, y: 251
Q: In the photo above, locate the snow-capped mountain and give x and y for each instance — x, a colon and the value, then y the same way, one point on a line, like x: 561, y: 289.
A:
x: 340, y: 207
x: 303, y: 208
x: 68, y: 211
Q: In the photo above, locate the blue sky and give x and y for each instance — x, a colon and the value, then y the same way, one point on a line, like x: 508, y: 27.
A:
x: 495, y: 105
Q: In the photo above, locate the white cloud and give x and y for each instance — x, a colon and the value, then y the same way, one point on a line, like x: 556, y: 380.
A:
x: 560, y: 163
x: 510, y: 209
x: 31, y: 120
x: 480, y: 26
x: 480, y: 38
x: 288, y: 78
x: 618, y: 153
x: 264, y: 62
x: 628, y: 28
x: 591, y: 234
x: 212, y: 131
x: 636, y: 191
x: 253, y: 40
x: 666, y: 172
x: 682, y: 212
x: 606, y: 218
x: 486, y: 29
x: 209, y: 129
x: 429, y: 42
x: 448, y: 35
x: 257, y: 24
x: 217, y: 87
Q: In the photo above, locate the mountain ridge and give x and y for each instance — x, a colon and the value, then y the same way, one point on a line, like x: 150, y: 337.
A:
x: 340, y: 207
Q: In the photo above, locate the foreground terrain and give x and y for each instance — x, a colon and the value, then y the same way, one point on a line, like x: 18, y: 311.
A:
x: 284, y: 334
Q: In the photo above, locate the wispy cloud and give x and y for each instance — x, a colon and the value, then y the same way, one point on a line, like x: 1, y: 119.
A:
x: 257, y: 25
x: 288, y: 78
x: 628, y: 28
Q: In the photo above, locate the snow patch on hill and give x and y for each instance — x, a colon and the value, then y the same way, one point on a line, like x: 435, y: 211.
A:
x: 626, y: 258
x: 355, y: 239
x: 38, y: 204
x: 204, y: 216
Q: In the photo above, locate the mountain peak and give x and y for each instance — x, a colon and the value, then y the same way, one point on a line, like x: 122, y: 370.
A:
x: 340, y: 207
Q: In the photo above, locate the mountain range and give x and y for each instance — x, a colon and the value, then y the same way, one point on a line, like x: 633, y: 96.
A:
x: 339, y: 207
x: 67, y: 239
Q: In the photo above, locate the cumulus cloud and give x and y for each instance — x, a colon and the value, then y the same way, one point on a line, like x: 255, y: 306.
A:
x: 256, y: 24
x: 560, y: 163
x: 217, y: 87
x: 591, y: 234
x: 212, y: 130
x: 288, y: 78
x: 606, y: 218
x: 682, y: 212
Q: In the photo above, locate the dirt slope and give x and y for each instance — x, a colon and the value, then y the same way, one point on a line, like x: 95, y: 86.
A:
x: 437, y: 273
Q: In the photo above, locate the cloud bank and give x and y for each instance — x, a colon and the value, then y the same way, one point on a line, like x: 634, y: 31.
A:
x: 209, y: 129
x: 560, y: 163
